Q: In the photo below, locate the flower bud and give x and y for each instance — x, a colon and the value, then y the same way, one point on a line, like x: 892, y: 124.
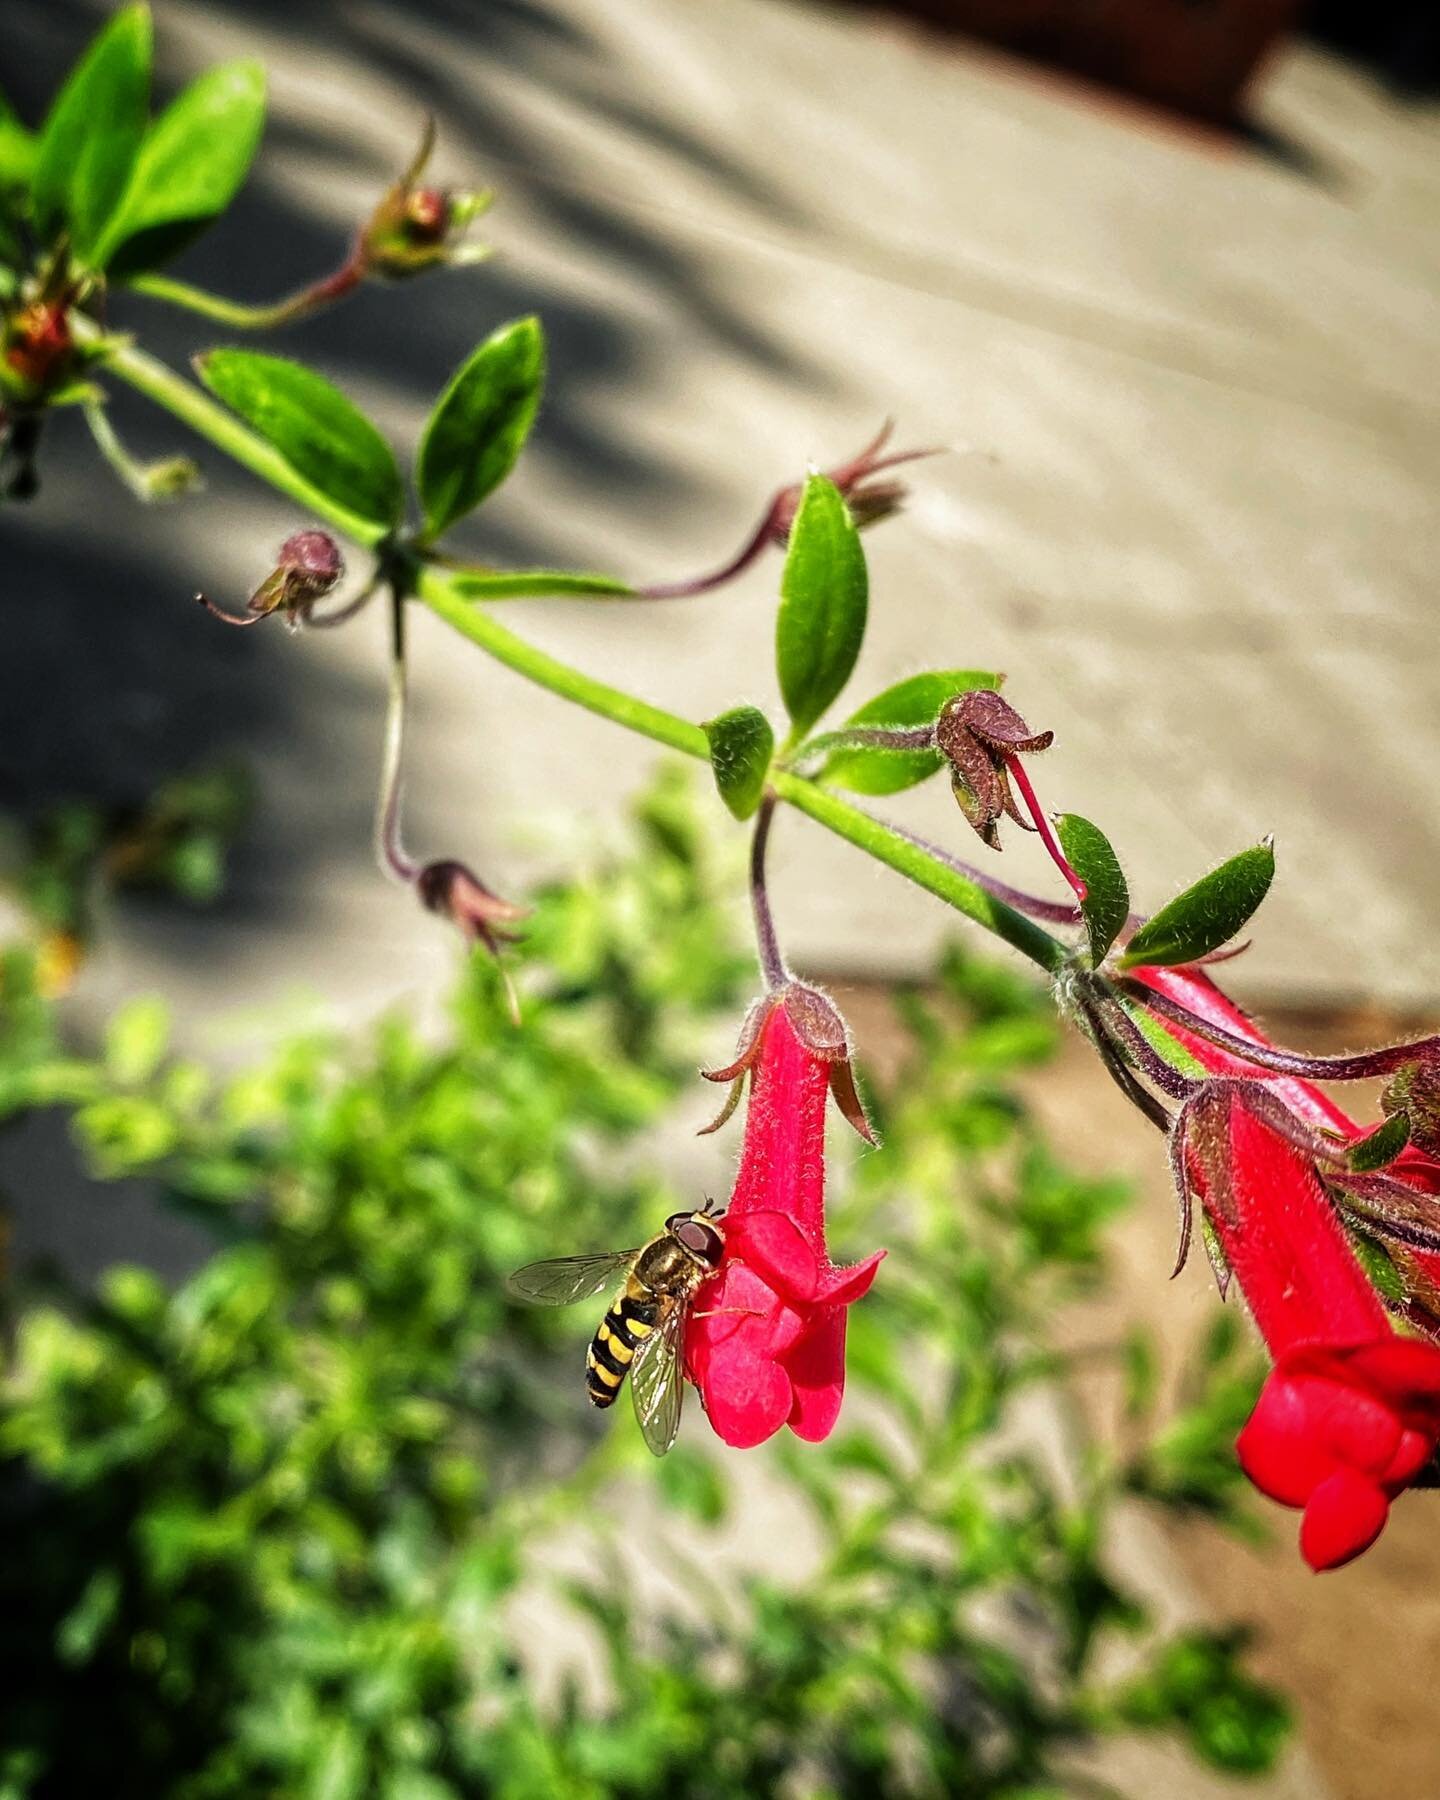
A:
x: 1415, y: 1091
x: 39, y: 346
x: 414, y: 227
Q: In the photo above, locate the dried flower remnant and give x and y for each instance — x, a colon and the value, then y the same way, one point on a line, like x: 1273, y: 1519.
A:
x: 870, y: 500
x: 307, y: 567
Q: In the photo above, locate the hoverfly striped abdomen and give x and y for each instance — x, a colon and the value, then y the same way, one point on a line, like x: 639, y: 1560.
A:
x: 630, y: 1320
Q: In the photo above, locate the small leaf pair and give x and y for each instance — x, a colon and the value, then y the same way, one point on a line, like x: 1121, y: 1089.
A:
x: 130, y: 194
x: 1193, y: 925
x: 471, y: 441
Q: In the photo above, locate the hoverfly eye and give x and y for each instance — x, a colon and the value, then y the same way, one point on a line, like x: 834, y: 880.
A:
x: 700, y: 1238
x: 675, y: 1221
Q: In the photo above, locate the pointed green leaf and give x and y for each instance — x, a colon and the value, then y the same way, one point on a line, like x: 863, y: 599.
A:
x: 475, y: 435
x: 741, y: 745
x: 824, y: 594
x: 1380, y: 1146
x: 190, y: 167
x: 323, y: 436
x: 90, y: 141
x: 1207, y: 915
x: 537, y: 584
x: 914, y: 701
x: 1107, y: 902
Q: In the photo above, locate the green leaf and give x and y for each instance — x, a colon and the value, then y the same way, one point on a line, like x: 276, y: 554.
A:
x: 323, y: 436
x: 17, y: 149
x: 90, y: 141
x: 824, y: 594
x: 915, y: 701
x: 1107, y: 903
x: 741, y: 745
x: 1380, y: 1146
x: 190, y: 167
x: 136, y: 1040
x: 1207, y: 915
x: 475, y: 435
x: 533, y: 584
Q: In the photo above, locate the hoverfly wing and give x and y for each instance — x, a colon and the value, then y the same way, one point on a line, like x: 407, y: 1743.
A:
x: 563, y: 1280
x: 657, y: 1379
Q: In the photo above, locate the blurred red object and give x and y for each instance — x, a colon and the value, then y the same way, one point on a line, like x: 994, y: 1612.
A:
x: 1196, y: 57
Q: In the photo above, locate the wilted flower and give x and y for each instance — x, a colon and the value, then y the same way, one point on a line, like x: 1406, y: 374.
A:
x: 766, y: 1342
x: 982, y: 737
x: 869, y: 501
x: 457, y: 893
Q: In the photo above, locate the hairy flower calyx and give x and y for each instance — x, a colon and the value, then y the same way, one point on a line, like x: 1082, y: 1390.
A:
x: 817, y: 1023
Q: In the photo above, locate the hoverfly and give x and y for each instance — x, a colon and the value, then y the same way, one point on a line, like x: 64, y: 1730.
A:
x: 643, y: 1332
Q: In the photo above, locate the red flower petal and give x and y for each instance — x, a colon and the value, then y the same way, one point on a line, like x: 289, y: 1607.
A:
x: 842, y: 1287
x: 1345, y: 1515
x: 747, y: 1397
x: 816, y: 1368
x: 1301, y: 1279
x: 772, y: 1243
x: 1276, y: 1447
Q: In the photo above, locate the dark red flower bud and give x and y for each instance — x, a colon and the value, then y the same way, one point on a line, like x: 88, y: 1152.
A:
x: 39, y: 345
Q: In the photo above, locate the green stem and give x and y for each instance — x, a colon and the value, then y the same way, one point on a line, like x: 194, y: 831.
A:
x: 909, y: 859
x: 241, y: 316
x: 440, y: 593
x: 211, y: 421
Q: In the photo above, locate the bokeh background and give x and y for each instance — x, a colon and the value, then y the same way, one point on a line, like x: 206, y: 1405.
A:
x: 1173, y: 312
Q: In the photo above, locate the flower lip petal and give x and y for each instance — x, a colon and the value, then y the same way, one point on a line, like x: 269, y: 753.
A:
x: 776, y: 1248
x: 1345, y: 1515
x: 817, y: 1374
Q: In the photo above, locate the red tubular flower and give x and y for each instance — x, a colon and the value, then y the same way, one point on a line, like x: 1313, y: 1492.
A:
x: 1350, y: 1414
x: 766, y: 1343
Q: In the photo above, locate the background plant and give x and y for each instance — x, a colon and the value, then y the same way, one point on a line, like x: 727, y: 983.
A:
x: 275, y: 1522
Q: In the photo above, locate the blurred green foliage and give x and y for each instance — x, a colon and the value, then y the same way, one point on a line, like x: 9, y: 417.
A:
x: 330, y: 1520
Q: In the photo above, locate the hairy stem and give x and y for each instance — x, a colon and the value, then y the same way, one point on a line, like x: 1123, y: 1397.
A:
x: 772, y: 963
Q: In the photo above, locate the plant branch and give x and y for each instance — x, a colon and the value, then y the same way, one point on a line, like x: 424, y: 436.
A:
x: 439, y: 591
